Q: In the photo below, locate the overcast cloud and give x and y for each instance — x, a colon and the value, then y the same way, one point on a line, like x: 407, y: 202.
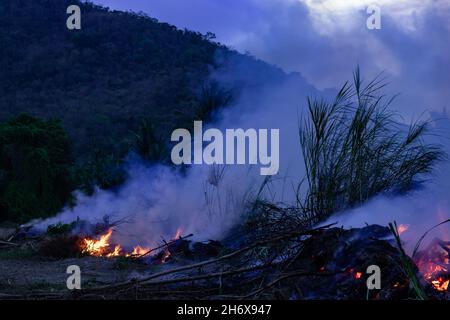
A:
x: 324, y: 40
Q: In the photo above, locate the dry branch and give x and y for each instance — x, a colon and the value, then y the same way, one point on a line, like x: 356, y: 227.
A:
x: 211, y: 261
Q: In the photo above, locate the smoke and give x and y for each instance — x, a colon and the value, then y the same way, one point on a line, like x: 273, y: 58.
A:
x: 208, y: 200
x: 419, y: 210
x: 154, y: 203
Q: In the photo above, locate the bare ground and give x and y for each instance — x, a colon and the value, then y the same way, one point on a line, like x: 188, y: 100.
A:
x: 29, y: 275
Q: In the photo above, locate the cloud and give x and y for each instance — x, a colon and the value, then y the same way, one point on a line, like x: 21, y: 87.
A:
x: 325, y: 39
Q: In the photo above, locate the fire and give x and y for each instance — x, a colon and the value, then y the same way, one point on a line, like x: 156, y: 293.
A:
x: 440, y: 284
x: 167, y: 253
x: 102, y: 247
x: 138, y: 251
x: 433, y: 264
x: 355, y: 274
x: 116, y: 252
x: 178, y: 234
x: 166, y: 256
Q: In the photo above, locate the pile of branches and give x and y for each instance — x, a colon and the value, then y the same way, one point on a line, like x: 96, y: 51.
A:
x: 282, y: 258
x: 315, y: 263
x: 246, y: 273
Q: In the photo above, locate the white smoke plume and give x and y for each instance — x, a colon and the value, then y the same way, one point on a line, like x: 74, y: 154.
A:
x: 206, y: 201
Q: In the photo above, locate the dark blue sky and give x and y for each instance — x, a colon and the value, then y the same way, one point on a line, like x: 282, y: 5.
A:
x: 325, y: 39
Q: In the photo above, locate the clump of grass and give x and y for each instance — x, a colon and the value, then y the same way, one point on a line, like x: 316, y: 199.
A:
x: 407, y: 265
x: 355, y: 148
x: 419, y: 242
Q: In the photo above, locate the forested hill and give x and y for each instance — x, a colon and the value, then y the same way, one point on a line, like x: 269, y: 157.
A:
x: 123, y: 81
x: 101, y: 80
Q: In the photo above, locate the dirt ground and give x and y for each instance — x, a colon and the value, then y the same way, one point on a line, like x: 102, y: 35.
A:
x: 24, y: 273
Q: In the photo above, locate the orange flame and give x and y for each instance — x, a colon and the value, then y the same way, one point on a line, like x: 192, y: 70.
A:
x: 117, y: 251
x: 138, y: 251
x: 99, y: 247
x: 440, y: 285
x: 167, y: 253
x: 102, y: 247
x: 178, y: 234
x: 433, y: 264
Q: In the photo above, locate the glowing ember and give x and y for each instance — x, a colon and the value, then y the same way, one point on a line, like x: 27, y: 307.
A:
x: 167, y: 253
x: 166, y: 256
x: 178, y: 234
x: 138, y: 251
x: 440, y: 284
x: 355, y: 274
x: 433, y: 264
x: 402, y: 228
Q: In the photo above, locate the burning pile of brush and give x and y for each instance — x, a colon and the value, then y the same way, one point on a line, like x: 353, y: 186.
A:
x: 270, y: 261
x: 102, y: 247
x: 347, y: 257
x: 434, y: 264
x: 335, y: 260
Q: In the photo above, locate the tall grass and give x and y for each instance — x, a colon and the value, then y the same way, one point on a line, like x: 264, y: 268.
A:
x: 407, y: 264
x: 355, y: 147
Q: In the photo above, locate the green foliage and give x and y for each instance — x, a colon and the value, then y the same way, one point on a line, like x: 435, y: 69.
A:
x: 102, y: 80
x: 212, y: 98
x: 35, y: 168
x: 354, y: 148
x: 407, y: 264
x: 100, y: 170
x: 148, y: 144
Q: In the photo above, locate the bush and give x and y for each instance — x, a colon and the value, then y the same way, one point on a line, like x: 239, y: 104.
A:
x: 102, y: 170
x: 35, y: 168
x: 148, y: 144
x: 355, y: 148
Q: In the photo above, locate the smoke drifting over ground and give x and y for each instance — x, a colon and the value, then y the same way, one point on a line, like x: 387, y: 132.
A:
x: 208, y: 200
x: 419, y: 210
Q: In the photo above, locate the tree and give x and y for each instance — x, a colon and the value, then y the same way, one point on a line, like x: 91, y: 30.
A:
x: 35, y: 168
x: 148, y: 144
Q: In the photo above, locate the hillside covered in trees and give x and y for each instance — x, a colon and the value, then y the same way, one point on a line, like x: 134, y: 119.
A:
x: 123, y: 82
